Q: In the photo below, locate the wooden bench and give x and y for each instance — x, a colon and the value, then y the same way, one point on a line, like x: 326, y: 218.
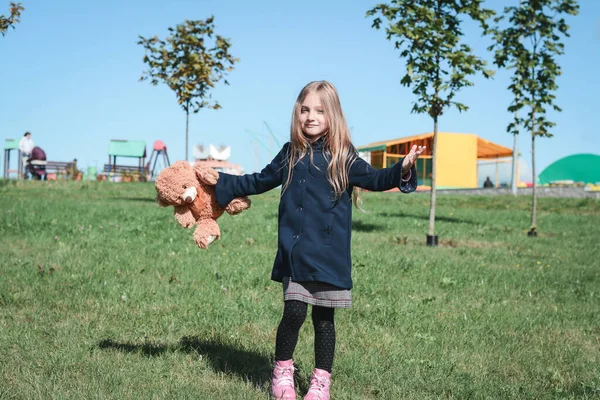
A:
x: 120, y: 169
x: 59, y: 167
x: 125, y: 172
x: 55, y: 169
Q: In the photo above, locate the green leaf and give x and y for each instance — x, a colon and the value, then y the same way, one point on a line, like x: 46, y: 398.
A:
x: 191, y: 61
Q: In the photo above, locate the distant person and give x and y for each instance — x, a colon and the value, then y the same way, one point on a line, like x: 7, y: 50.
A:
x: 319, y: 170
x: 26, y: 146
x: 488, y: 183
x: 73, y: 171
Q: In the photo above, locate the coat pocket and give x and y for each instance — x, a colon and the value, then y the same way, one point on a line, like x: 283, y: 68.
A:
x: 329, y: 229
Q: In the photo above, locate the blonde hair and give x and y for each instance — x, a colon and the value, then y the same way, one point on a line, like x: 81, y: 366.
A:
x: 337, y: 144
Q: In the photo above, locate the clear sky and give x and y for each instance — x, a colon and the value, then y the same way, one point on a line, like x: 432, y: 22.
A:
x: 69, y: 73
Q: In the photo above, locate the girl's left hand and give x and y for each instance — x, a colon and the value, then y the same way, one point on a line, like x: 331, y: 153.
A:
x: 411, y: 158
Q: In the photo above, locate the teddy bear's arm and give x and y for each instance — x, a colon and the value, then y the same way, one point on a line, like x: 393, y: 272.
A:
x: 184, y: 216
x: 238, y: 205
x: 207, y: 231
x: 206, y: 175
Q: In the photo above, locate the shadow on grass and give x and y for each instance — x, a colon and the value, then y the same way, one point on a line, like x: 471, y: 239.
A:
x: 402, y: 214
x: 223, y: 357
x: 146, y: 349
x: 228, y: 358
x: 364, y: 226
x: 140, y: 199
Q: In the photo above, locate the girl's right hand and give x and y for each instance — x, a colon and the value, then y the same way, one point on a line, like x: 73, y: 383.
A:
x: 411, y: 158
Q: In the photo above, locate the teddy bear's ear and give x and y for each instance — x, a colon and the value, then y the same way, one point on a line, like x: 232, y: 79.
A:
x: 180, y: 166
x: 206, y: 175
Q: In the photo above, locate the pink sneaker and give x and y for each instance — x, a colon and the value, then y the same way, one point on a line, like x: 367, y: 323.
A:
x: 320, y: 380
x: 282, y: 382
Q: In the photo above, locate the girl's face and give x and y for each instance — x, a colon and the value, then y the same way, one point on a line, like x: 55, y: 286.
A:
x: 313, y: 120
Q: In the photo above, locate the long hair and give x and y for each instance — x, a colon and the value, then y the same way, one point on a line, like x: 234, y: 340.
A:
x: 337, y: 144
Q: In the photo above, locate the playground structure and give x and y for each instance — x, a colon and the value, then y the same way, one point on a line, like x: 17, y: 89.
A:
x: 123, y: 173
x: 9, y: 146
x: 217, y: 158
x: 133, y: 149
x: 53, y: 169
x: 112, y: 171
x: 459, y: 157
x: 158, y: 149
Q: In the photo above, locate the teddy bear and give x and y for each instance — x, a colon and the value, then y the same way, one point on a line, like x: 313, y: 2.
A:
x: 191, y: 192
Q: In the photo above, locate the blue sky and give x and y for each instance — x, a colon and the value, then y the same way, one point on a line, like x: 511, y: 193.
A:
x: 70, y: 75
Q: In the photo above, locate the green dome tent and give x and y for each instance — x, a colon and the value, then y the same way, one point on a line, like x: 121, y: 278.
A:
x: 583, y: 168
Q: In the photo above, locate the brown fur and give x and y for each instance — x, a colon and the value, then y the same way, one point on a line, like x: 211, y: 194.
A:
x: 204, y: 210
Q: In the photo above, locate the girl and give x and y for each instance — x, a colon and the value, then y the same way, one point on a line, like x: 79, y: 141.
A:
x: 319, y: 170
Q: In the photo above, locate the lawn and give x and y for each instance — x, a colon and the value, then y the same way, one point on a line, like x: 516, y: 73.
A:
x: 104, y: 296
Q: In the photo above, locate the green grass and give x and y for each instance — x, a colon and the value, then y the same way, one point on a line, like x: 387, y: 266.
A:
x: 104, y: 296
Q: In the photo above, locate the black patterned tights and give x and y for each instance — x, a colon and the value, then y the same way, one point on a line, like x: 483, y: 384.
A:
x: 294, y: 314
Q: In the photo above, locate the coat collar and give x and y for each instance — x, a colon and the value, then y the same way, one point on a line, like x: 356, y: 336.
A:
x: 318, y: 144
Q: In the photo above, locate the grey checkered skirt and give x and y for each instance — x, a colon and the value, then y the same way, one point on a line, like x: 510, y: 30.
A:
x: 316, y: 293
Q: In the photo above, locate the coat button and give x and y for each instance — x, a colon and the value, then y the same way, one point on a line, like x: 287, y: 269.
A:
x: 302, y: 180
x: 299, y: 209
x: 296, y: 236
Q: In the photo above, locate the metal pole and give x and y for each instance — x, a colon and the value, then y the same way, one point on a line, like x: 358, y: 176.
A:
x: 497, y: 171
x: 20, y: 165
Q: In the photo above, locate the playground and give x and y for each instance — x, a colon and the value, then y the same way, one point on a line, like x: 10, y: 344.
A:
x: 42, y: 169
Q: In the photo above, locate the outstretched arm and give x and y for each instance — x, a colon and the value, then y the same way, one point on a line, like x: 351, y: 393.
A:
x: 402, y: 175
x: 231, y: 186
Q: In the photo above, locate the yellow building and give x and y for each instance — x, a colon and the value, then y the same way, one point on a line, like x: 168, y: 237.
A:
x: 458, y: 157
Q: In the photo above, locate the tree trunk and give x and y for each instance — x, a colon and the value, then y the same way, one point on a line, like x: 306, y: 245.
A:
x: 515, y: 160
x: 534, y: 197
x: 187, y: 123
x: 431, y: 230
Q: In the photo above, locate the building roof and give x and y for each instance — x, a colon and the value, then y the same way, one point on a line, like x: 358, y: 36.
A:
x: 127, y: 148
x: 10, y: 144
x: 485, y: 148
x: 577, y: 168
x: 202, y: 153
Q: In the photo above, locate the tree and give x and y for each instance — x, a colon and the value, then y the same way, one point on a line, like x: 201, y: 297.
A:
x: 13, y: 18
x: 189, y: 65
x: 428, y: 34
x: 529, y: 46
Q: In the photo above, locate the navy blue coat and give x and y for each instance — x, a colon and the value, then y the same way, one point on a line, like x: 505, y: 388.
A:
x: 314, y: 228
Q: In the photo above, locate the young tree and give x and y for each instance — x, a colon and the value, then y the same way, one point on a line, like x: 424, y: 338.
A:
x: 190, y: 63
x: 13, y: 18
x: 428, y: 34
x: 529, y: 46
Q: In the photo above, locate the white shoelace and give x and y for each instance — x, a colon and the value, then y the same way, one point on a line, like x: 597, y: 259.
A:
x: 317, y: 386
x: 284, y: 377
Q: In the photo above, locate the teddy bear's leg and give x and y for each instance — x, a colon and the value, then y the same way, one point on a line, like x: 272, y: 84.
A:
x: 184, y: 216
x: 238, y: 205
x: 207, y: 231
